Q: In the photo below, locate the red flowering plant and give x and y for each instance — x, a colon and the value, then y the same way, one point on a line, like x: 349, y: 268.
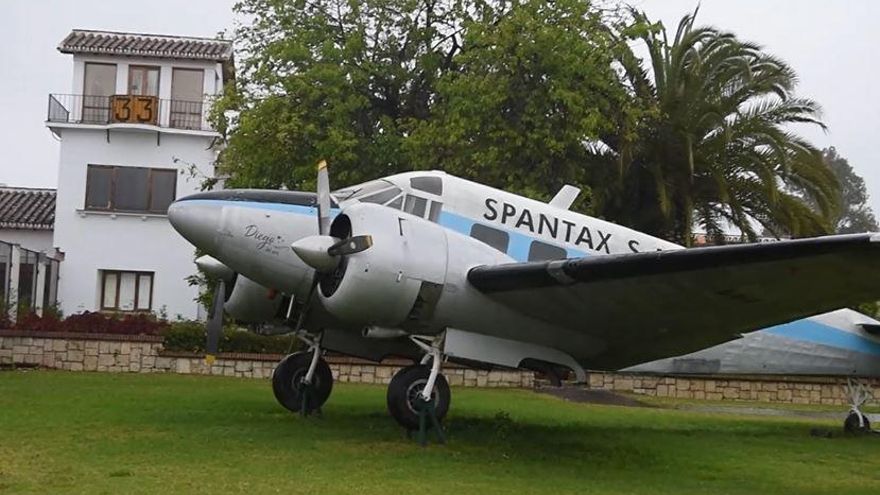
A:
x: 93, y: 322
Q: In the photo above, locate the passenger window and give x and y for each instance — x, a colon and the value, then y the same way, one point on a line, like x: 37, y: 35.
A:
x: 498, y: 239
x: 433, y: 185
x: 540, y: 251
x: 415, y: 205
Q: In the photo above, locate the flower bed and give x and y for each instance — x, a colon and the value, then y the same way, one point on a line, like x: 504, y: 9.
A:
x: 184, y: 335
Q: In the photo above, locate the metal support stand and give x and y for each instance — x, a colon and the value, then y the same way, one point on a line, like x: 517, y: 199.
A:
x: 428, y: 412
x: 424, y: 403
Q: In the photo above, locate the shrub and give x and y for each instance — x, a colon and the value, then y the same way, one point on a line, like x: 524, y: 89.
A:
x: 190, y: 336
x: 91, y: 322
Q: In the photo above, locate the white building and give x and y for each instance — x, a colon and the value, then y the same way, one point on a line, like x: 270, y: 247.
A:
x: 132, y: 127
x: 27, y: 215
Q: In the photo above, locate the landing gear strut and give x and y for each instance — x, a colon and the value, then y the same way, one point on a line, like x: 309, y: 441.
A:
x: 419, y: 396
x: 302, y: 381
x: 856, y: 422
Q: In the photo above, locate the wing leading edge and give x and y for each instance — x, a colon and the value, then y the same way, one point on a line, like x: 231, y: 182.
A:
x: 646, y: 306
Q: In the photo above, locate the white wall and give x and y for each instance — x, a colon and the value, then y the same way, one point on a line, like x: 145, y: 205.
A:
x: 97, y: 241
x: 35, y: 240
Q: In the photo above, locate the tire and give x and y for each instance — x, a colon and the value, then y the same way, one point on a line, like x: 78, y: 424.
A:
x: 404, y: 388
x: 851, y: 424
x: 287, y: 387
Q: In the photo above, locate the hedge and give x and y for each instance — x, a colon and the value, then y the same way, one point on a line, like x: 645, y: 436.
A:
x: 190, y: 336
x: 181, y: 335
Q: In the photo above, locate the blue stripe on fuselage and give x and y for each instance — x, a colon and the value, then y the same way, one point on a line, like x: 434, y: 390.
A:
x: 259, y: 205
x: 519, y: 244
x: 518, y: 248
x: 820, y: 333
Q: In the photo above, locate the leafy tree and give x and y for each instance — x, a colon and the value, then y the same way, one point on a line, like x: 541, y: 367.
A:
x: 854, y: 215
x: 510, y: 93
x: 336, y: 79
x: 534, y: 86
x: 711, y: 145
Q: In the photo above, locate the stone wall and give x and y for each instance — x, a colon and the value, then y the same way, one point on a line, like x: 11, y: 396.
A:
x: 825, y: 390
x: 142, y: 354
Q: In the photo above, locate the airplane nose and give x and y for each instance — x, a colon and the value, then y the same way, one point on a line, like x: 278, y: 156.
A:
x: 197, y: 221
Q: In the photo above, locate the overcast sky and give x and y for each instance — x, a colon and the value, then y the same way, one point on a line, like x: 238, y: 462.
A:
x: 833, y: 46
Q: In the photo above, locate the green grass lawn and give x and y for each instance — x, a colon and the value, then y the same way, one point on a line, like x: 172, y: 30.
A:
x: 104, y: 433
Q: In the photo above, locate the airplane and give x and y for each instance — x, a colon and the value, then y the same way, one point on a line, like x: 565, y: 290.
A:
x: 435, y: 268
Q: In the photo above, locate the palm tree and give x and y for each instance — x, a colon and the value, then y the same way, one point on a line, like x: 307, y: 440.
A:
x: 708, y: 143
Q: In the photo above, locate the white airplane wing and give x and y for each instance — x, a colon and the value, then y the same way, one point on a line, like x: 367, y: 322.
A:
x: 645, y: 306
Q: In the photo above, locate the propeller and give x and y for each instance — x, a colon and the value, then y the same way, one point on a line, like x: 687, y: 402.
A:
x: 323, y: 198
x: 323, y: 251
x: 215, y: 323
x: 214, y: 327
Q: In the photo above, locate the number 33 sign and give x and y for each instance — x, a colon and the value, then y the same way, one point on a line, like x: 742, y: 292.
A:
x: 135, y: 109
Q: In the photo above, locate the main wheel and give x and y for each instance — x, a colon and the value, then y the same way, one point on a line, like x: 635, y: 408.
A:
x: 287, y: 381
x: 405, y: 387
x: 851, y: 424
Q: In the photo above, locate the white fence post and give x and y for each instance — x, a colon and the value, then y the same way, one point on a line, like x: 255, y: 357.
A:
x: 14, y: 273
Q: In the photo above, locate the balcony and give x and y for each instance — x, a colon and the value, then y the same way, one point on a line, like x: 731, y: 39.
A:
x: 128, y: 110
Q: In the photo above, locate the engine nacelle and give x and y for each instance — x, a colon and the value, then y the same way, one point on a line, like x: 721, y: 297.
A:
x: 250, y: 302
x: 394, y: 282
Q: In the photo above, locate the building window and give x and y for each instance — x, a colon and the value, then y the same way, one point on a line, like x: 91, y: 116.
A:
x: 143, y: 81
x: 98, y: 86
x: 498, y: 239
x: 131, y: 189
x: 187, y: 94
x: 126, y: 291
x: 541, y: 251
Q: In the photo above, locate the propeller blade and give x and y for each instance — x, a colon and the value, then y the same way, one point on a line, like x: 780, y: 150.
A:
x: 351, y: 245
x: 323, y: 198
x: 215, y: 323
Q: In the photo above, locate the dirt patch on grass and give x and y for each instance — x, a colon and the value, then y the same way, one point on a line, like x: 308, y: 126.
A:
x: 603, y: 397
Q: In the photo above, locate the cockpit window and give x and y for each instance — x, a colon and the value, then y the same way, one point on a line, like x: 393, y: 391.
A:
x: 361, y: 190
x: 380, y: 197
x: 433, y: 185
x: 415, y: 205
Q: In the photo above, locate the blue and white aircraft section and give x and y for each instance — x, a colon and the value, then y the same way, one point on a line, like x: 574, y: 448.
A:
x: 842, y: 342
x: 433, y: 267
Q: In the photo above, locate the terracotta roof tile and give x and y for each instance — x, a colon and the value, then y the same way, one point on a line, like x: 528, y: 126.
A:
x: 146, y: 45
x: 25, y: 208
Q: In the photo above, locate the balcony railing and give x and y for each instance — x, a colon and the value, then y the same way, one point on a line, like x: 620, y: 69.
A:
x: 128, y: 109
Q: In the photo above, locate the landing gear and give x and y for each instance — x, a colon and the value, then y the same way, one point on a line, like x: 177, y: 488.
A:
x: 302, y: 381
x: 419, y: 397
x: 856, y: 422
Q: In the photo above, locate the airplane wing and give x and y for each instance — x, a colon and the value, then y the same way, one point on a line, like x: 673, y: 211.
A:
x: 645, y: 306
